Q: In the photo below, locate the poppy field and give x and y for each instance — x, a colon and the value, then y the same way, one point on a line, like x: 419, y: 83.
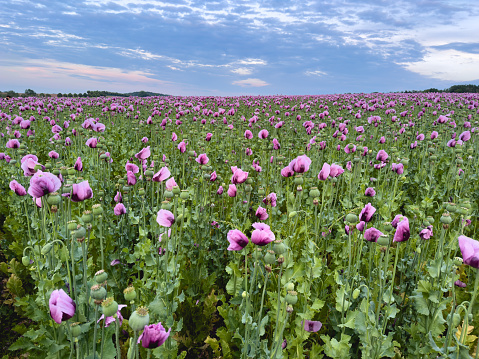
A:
x: 338, y: 226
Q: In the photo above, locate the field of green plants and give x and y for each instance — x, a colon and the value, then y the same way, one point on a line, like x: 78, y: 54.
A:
x: 339, y: 226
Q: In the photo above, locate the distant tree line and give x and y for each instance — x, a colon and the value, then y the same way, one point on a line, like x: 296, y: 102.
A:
x: 30, y: 93
x: 453, y: 89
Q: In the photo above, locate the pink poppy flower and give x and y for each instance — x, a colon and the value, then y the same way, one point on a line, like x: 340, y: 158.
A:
x: 402, y: 230
x: 165, y: 218
x: 81, y: 191
x: 372, y: 234
x: 202, y: 159
x: 219, y: 191
x: 237, y: 240
x: 53, y: 154
x: 248, y: 134
x: 367, y: 213
x: 239, y: 176
x: 261, y: 213
x: 335, y: 170
x: 170, y: 183
x: 143, y: 154
x: 262, y: 235
x: 43, y: 183
x: 92, y: 142
x: 62, y: 307
x: 287, y: 172
x: 232, y: 190
x: 300, y: 164
x: 182, y: 146
x: 119, y: 209
x: 161, y: 175
x: 130, y: 178
x: 118, y: 197
x: 213, y: 176
x: 469, y: 250
x: 17, y: 188
x: 324, y: 173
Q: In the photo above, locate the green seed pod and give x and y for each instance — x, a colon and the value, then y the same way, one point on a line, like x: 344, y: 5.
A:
x: 292, y: 297
x: 314, y: 192
x: 48, y: 166
x: 248, y: 188
x: 298, y: 180
x: 141, y: 191
x: 101, y: 276
x: 46, y: 248
x: 383, y: 241
x: 351, y: 218
x: 129, y: 293
x: 405, y: 161
x: 458, y: 149
x: 71, y: 171
x: 356, y: 159
x: 459, y: 161
x: 176, y: 190
x: 166, y: 205
x: 98, y: 292
x: 26, y: 261
x: 433, y: 158
x: 121, y: 181
x: 109, y: 307
x: 279, y: 247
x: 71, y: 225
x: 149, y: 173
x: 168, y: 194
x: 432, y: 150
x: 75, y: 329
x: 418, y: 250
x: 446, y: 218
x: 184, y: 195
x: 80, y: 232
x: 293, y: 214
x: 54, y: 199
x: 466, y: 204
x: 87, y: 217
x: 356, y: 293
x: 261, y: 191
x: 206, y: 176
x: 249, y: 181
x: 430, y: 219
x: 103, y: 156
x: 269, y: 257
x: 458, y: 261
x: 97, y: 209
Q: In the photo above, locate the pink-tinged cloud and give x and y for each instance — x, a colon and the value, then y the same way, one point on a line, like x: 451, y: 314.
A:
x: 250, y: 83
x: 59, y: 75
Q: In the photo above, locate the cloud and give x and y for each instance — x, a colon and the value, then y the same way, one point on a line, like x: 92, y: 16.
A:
x: 242, y: 71
x: 250, y: 83
x: 438, y: 64
x: 315, y: 73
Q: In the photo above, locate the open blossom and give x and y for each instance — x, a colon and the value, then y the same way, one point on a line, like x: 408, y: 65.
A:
x: 300, y: 164
x: 153, y: 336
x: 232, y: 190
x: 78, y: 164
x: 17, y: 188
x: 13, y: 143
x: 119, y: 209
x: 118, y: 197
x: 130, y: 178
x: 81, y: 191
x: 165, y: 218
x: 398, y: 168
x: 426, y: 233
x: 382, y: 156
x: 372, y: 234
x: 335, y: 170
x: 312, y: 326
x: 182, y: 146
x: 170, y: 184
x: 263, y: 134
x: 202, y: 159
x: 261, y: 213
x: 324, y: 173
x: 248, y: 134
x: 110, y: 320
x: 220, y: 190
x: 174, y: 137
x: 469, y: 250
x: 161, y: 175
x: 29, y: 162
x: 262, y: 235
x: 276, y: 145
x: 370, y: 192
x: 287, y: 172
x: 213, y: 176
x: 237, y: 240
x: 92, y: 142
x: 367, y: 213
x: 208, y: 136
x: 270, y: 199
x: 132, y: 167
x: 62, y: 307
x: 53, y: 154
x: 43, y: 183
x: 402, y: 231
x: 239, y: 176
x: 143, y: 154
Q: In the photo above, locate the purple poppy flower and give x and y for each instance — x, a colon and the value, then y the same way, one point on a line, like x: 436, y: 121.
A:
x: 382, y: 156
x: 131, y: 167
x: 53, y: 154
x: 114, y: 262
x: 165, y: 218
x: 170, y: 183
x: 174, y: 137
x: 270, y: 199
x: 182, y: 146
x: 29, y: 162
x: 110, y: 320
x: 360, y: 226
x: 262, y: 235
x: 208, y: 136
x: 130, y: 178
x: 465, y: 136
x: 161, y: 175
x: 237, y: 240
x: 17, y: 188
x: 325, y: 171
x: 213, y: 176
x: 92, y: 142
x: 300, y: 164
x: 276, y: 145
x: 426, y: 233
x: 470, y: 251
x: 335, y: 170
x: 78, y: 164
x: 263, y: 134
x: 287, y: 172
x: 261, y: 213
x: 232, y: 190
x: 372, y: 234
x: 367, y: 213
x: 312, y: 326
x: 62, y: 307
x: 248, y: 134
x: 370, y: 192
x: 239, y: 176
x: 434, y: 135
x: 402, y: 231
x: 143, y: 154
x: 43, y: 183
x: 13, y: 143
x: 81, y: 191
x: 202, y: 159
x: 153, y: 336
x: 119, y: 209
x: 396, y: 220
x: 460, y: 284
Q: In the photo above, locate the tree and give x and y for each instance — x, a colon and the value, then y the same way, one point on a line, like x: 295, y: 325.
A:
x: 59, y: 94
x: 30, y: 92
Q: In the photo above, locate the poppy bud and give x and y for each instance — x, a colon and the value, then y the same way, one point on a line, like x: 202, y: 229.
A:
x: 48, y: 166
x: 98, y: 292
x: 149, y: 173
x: 293, y: 214
x: 101, y: 276
x: 129, y: 293
x: 356, y: 159
x: 456, y: 319
x: 289, y: 309
x: 289, y: 286
x: 446, y: 218
x: 467, y: 205
x: 418, y: 250
x: 248, y: 188
x: 26, y: 261
x: 191, y: 153
x: 356, y: 293
x: 12, y: 162
x: 125, y: 189
x: 291, y: 297
x: 244, y: 294
x: 80, y: 232
x: 71, y: 171
x: 109, y: 307
x: 46, y: 249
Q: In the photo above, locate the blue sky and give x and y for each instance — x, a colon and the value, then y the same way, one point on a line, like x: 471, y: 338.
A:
x: 227, y: 47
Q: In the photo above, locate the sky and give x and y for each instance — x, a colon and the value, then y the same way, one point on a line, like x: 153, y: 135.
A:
x: 241, y: 47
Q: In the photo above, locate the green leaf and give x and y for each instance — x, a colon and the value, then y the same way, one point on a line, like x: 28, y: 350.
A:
x: 263, y: 323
